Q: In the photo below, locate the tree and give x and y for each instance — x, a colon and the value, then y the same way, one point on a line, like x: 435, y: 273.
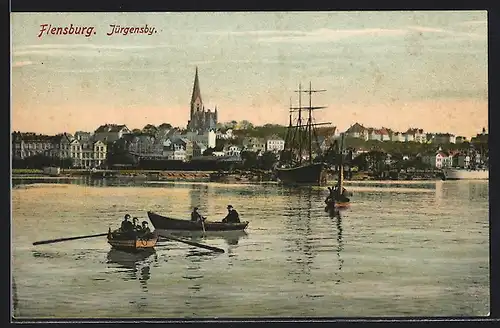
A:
x: 268, y: 160
x: 249, y: 159
x: 122, y: 157
x: 165, y: 126
x: 361, y: 161
x: 39, y: 161
x: 245, y: 125
x: 208, y: 152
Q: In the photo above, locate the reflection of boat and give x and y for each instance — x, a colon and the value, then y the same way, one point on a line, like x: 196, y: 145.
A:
x: 167, y: 223
x: 294, y: 166
x: 131, y: 241
x: 338, y: 206
x: 126, y: 259
x: 465, y: 174
x: 137, y: 264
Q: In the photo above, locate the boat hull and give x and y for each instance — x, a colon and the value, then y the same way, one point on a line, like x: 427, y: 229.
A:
x: 166, y: 223
x: 315, y: 173
x: 464, y: 174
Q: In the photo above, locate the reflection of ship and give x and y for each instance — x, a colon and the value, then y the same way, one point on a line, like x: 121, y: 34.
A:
x: 465, y: 174
x: 295, y: 166
x: 300, y: 246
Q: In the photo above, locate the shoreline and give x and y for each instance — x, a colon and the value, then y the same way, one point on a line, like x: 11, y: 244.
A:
x: 240, y: 177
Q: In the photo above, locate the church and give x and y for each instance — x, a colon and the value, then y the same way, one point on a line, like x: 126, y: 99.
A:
x: 200, y: 120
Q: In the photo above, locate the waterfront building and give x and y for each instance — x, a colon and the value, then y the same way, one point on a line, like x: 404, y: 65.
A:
x: 110, y: 132
x: 254, y: 144
x: 30, y: 144
x: 231, y: 150
x: 275, y: 144
x: 439, y: 159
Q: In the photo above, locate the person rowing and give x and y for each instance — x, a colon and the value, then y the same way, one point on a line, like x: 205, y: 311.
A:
x: 331, y: 195
x: 196, y: 216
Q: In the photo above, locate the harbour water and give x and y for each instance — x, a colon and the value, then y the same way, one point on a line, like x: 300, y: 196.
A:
x: 402, y: 249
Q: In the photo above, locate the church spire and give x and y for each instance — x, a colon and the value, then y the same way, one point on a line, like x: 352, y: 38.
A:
x: 196, y: 88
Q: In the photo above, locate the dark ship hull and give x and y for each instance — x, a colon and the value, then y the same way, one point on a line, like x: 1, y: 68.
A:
x: 314, y: 174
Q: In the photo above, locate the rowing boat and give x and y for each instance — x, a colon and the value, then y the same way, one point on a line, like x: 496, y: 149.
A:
x: 167, y: 223
x: 131, y: 241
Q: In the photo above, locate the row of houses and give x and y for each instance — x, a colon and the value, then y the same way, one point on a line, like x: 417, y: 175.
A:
x: 441, y: 159
x: 411, y: 135
x: 85, y: 152
x: 89, y: 150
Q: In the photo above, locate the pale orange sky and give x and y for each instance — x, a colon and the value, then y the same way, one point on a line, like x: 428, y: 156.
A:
x: 465, y: 117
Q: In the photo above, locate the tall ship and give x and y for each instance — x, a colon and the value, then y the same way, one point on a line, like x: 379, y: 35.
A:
x: 465, y: 174
x: 297, y: 163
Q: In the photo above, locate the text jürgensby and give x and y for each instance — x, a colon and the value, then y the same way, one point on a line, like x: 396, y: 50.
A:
x: 117, y: 29
x: 87, y: 31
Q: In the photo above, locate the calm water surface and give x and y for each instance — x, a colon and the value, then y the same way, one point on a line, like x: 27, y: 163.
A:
x: 402, y: 249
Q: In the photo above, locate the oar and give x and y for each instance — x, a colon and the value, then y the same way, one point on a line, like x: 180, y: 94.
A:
x: 65, y: 239
x: 203, y: 226
x: 192, y: 243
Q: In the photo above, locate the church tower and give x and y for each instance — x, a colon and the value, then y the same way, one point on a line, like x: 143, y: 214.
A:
x: 196, y: 104
x: 199, y: 119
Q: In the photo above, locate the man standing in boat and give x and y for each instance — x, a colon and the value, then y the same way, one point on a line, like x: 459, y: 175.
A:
x: 232, y: 216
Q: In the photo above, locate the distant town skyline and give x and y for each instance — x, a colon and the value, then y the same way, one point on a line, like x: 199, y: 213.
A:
x: 425, y: 70
x: 131, y: 127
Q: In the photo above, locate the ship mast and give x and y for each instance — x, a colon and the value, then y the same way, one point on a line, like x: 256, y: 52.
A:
x: 299, y: 122
x: 296, y: 139
x: 309, y: 125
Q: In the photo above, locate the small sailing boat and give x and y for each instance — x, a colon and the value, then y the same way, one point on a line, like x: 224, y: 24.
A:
x: 294, y: 166
x: 341, y: 201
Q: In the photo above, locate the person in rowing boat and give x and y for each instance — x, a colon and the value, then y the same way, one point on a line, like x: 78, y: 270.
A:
x: 339, y: 195
x: 331, y: 195
x: 145, y: 229
x: 232, y: 216
x: 196, y: 216
x: 126, y: 224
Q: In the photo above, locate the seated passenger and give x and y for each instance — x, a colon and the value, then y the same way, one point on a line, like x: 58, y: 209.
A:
x: 232, y: 216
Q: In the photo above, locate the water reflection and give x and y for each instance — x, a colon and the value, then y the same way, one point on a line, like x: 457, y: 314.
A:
x: 198, y: 195
x: 337, y: 217
x: 472, y: 190
x: 232, y: 238
x: 298, y: 224
x: 137, y: 265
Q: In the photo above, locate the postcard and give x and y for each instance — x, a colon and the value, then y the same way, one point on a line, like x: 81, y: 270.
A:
x: 175, y: 165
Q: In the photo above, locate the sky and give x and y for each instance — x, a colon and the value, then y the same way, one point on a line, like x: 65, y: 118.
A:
x: 399, y: 70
